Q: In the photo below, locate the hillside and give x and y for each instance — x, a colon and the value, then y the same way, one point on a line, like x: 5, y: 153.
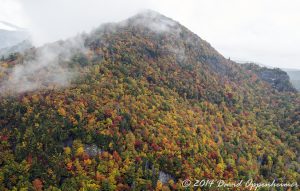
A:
x: 141, y: 105
x: 18, y: 48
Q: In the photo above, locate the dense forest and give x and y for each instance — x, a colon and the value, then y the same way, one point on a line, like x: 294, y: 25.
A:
x: 148, y: 104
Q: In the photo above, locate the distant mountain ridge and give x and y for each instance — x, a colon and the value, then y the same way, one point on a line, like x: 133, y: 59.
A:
x: 294, y: 75
x: 11, y: 35
x: 10, y: 27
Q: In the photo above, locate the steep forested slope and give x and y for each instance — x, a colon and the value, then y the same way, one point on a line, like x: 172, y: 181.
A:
x: 147, y: 98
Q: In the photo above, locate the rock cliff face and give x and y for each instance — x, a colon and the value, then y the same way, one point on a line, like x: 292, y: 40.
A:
x: 277, y: 78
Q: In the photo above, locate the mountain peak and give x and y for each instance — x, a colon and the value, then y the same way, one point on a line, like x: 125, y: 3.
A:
x: 153, y: 20
x: 150, y: 14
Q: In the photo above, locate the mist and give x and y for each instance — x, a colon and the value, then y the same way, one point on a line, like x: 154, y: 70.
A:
x: 47, y: 67
x: 157, y: 23
x: 248, y: 34
x: 50, y: 66
x: 262, y: 31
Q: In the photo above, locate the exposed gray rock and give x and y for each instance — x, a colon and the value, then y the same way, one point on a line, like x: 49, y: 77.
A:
x: 164, y: 177
x: 92, y: 150
x: 276, y: 77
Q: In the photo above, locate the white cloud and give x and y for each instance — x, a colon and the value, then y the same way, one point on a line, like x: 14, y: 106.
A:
x: 266, y: 31
x: 12, y: 11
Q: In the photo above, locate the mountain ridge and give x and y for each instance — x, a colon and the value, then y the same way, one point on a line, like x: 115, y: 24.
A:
x: 11, y: 35
x: 11, y: 27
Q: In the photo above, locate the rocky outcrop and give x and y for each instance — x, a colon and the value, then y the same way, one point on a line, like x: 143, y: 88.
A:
x: 276, y: 77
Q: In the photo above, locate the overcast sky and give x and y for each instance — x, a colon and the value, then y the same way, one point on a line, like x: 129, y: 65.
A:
x: 263, y: 31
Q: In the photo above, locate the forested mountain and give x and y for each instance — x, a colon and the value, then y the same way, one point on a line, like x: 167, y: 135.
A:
x: 18, y: 48
x: 141, y: 105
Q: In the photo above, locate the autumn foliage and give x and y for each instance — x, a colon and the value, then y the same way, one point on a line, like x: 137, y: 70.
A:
x: 146, y: 103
